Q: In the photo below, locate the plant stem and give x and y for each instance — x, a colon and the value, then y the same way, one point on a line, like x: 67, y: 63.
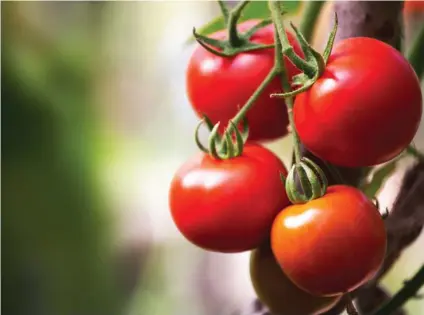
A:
x: 242, y: 112
x: 287, y: 49
x: 408, y: 291
x: 414, y: 152
x: 233, y: 17
x: 416, y: 52
x: 309, y: 17
x: 280, y: 42
x: 224, y: 10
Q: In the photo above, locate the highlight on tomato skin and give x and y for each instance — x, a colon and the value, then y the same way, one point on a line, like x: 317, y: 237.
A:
x: 332, y: 244
x: 277, y: 292
x: 366, y: 107
x: 228, y: 205
x: 217, y: 86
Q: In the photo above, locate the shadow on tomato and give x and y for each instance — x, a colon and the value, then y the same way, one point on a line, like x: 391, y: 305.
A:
x: 277, y: 292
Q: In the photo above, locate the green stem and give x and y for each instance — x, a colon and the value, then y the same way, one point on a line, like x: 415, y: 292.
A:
x: 287, y: 49
x: 408, y: 291
x: 280, y: 42
x: 243, y: 111
x: 416, y: 52
x: 224, y: 10
x: 414, y: 152
x: 233, y: 36
x: 310, y: 17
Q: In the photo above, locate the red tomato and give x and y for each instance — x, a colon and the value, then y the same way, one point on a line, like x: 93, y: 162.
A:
x: 228, y: 205
x: 218, y: 86
x: 413, y: 6
x: 332, y: 244
x: 364, y: 109
x: 277, y: 292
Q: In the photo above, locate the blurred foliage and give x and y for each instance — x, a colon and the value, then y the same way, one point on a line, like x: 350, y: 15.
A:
x: 56, y: 253
x: 254, y: 10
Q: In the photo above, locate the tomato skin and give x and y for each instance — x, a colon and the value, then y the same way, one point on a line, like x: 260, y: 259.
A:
x: 364, y: 109
x: 218, y: 86
x: 413, y: 6
x: 332, y: 244
x: 228, y: 205
x: 277, y: 292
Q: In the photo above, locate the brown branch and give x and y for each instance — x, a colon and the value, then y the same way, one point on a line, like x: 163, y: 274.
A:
x: 377, y: 19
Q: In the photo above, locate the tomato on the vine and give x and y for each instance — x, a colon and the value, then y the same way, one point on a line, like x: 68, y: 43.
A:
x: 365, y: 108
x: 280, y: 294
x: 218, y: 86
x: 228, y: 205
x: 332, y: 244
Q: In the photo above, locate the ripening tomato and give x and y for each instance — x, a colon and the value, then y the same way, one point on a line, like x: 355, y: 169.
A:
x: 332, y: 244
x: 364, y: 109
x: 277, y: 292
x: 217, y: 86
x: 228, y: 205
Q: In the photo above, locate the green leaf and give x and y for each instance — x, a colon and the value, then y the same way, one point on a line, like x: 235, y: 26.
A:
x: 254, y: 10
x: 373, y: 186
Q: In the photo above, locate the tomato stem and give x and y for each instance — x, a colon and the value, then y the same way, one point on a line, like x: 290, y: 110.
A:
x: 286, y: 48
x: 233, y: 37
x: 409, y: 290
x: 280, y: 41
x: 311, y: 179
x: 237, y: 42
x: 243, y: 111
x: 310, y: 15
x: 412, y: 150
x: 224, y: 10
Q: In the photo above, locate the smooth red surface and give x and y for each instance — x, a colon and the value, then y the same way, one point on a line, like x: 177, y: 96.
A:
x: 332, y: 244
x: 413, y: 6
x: 365, y: 108
x: 228, y: 205
x: 278, y: 292
x: 218, y: 86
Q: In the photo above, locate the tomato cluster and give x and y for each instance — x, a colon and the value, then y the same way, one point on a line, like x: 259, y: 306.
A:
x: 364, y: 109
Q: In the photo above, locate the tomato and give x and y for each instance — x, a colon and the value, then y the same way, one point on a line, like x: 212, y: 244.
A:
x: 228, y: 205
x: 218, y: 86
x: 413, y: 6
x: 277, y: 292
x: 364, y: 109
x: 332, y: 244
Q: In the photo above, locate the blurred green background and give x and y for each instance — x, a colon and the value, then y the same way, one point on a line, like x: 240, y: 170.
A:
x: 95, y: 121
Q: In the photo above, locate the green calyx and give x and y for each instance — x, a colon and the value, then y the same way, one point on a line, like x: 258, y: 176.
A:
x: 236, y: 42
x: 305, y: 182
x: 312, y: 66
x: 226, y: 146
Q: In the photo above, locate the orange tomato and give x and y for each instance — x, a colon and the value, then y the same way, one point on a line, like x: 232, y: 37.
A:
x: 332, y: 244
